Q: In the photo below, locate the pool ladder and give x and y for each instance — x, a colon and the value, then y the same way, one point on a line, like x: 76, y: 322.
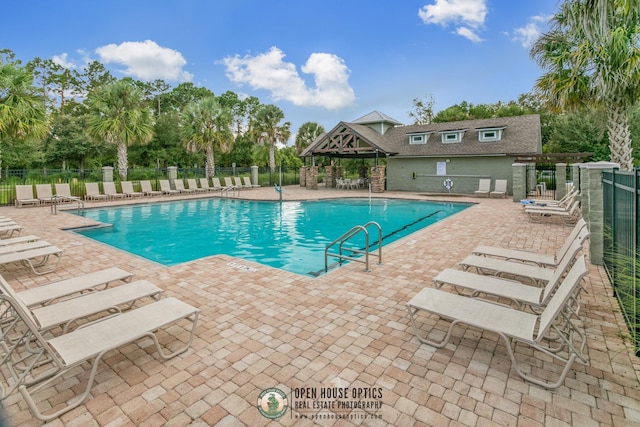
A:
x: 352, y: 254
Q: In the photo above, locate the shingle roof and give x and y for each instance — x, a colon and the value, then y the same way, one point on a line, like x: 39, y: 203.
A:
x: 521, y: 135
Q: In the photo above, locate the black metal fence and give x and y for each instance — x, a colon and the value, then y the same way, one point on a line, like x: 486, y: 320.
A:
x: 621, y: 200
x: 77, y: 178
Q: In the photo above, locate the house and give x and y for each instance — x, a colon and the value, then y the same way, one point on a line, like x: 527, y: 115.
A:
x: 423, y: 157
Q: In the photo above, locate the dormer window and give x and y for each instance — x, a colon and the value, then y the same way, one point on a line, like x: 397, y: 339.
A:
x: 490, y: 134
x: 419, y: 138
x: 452, y: 136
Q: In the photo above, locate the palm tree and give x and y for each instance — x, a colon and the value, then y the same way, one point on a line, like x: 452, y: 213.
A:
x: 266, y: 129
x: 207, y: 125
x: 23, y: 113
x: 118, y: 116
x: 591, y: 55
x: 307, y: 133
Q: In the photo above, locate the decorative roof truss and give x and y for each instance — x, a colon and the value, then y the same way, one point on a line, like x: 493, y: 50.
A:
x: 343, y: 141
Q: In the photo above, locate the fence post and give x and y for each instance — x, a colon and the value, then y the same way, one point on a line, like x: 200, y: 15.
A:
x: 561, y: 180
x: 107, y: 174
x: 592, y: 206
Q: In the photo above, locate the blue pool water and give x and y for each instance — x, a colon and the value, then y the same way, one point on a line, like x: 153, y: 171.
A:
x: 288, y: 235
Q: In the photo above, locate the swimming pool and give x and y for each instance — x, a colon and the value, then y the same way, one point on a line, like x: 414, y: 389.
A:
x: 290, y: 235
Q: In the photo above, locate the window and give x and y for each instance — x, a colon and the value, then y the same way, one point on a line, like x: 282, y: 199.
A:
x: 419, y: 138
x: 452, y: 136
x: 490, y: 134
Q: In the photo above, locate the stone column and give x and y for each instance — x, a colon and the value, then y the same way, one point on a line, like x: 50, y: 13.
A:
x: 592, y: 207
x: 254, y: 175
x: 107, y: 174
x: 377, y: 179
x: 519, y: 184
x: 312, y: 178
x: 172, y: 173
x: 303, y: 176
x: 329, y: 177
x: 561, y: 180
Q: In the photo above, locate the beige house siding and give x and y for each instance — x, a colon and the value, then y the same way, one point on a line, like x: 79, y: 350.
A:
x: 463, y: 171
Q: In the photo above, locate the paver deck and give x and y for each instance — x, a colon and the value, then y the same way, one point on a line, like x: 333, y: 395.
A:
x: 263, y: 327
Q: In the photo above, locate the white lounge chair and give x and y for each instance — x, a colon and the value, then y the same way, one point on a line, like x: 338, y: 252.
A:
x: 204, y: 183
x: 148, y: 190
x: 165, y: 187
x: 512, y: 325
x: 237, y: 181
x: 218, y: 186
x: 179, y: 184
x: 18, y: 239
x: 537, y: 258
x: 75, y: 310
x: 500, y: 188
x: 90, y: 282
x: 7, y: 230
x: 484, y: 187
x: 567, y: 216
x: 24, y: 196
x: 192, y: 184
x: 228, y: 183
x: 63, y: 193
x: 35, y: 363
x: 127, y: 189
x: 539, y: 276
x: 247, y: 183
x: 44, y: 193
x: 34, y: 258
x: 92, y: 192
x: 110, y: 190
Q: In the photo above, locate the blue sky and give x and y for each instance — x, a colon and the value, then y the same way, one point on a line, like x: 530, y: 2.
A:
x: 318, y: 60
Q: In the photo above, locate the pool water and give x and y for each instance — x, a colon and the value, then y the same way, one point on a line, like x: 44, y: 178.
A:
x: 288, y: 235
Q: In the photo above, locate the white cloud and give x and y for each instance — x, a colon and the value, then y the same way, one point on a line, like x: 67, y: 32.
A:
x: 63, y: 61
x: 468, y: 33
x: 146, y: 60
x: 467, y: 15
x: 268, y: 71
x: 528, y: 34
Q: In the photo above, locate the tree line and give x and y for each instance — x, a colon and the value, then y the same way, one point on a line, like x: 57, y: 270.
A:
x: 56, y: 117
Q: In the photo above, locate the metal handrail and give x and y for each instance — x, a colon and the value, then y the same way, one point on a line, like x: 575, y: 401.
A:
x: 56, y: 197
x: 348, y: 235
x: 235, y: 188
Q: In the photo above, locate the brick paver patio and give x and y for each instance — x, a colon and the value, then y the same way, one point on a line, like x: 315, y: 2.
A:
x: 261, y: 328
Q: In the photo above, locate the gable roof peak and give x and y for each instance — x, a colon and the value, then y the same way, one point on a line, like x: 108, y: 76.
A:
x: 376, y: 117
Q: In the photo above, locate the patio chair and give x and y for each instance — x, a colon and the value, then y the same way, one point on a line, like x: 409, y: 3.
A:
x: 499, y: 188
x: 537, y: 258
x: 23, y: 246
x: 92, y: 192
x: 192, y: 184
x: 341, y: 184
x: 148, y: 190
x: 89, y: 282
x: 512, y: 325
x: 165, y: 187
x: 65, y: 314
x: 539, y: 276
x: 110, y: 190
x: 218, y: 186
x: 247, y: 183
x: 204, y: 183
x: 7, y: 230
x: 237, y: 181
x: 568, y: 216
x: 179, y: 184
x: 564, y: 202
x: 34, y: 258
x: 19, y: 239
x: 228, y: 183
x: 63, y: 193
x: 484, y: 187
x: 35, y: 363
x: 44, y: 193
x: 24, y: 196
x: 127, y: 189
